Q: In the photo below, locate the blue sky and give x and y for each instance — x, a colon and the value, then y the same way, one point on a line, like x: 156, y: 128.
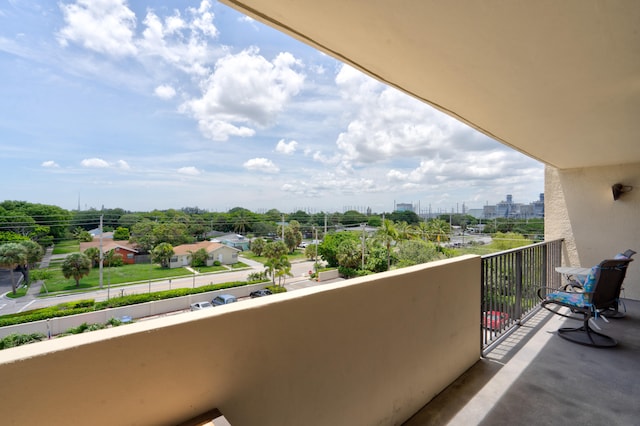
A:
x: 168, y: 104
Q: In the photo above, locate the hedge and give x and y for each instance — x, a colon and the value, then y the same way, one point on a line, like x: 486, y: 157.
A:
x: 89, y: 305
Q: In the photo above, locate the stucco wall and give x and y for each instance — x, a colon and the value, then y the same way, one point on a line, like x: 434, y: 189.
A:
x: 579, y: 207
x: 371, y: 350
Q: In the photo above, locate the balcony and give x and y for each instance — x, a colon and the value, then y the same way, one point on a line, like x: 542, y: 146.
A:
x: 372, y: 350
x: 534, y: 377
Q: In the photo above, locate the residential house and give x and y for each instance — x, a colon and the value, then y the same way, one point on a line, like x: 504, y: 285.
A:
x: 123, y: 248
x: 215, y: 252
x: 236, y: 241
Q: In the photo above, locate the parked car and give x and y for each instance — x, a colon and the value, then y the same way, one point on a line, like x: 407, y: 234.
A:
x: 223, y: 299
x: 495, y: 320
x: 260, y: 293
x: 200, y: 305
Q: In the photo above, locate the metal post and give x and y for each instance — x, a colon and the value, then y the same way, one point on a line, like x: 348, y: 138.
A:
x: 518, y: 266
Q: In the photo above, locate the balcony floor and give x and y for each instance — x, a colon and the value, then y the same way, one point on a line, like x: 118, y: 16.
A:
x: 536, y: 377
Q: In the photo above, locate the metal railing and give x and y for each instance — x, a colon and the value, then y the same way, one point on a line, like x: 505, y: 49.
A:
x: 510, y: 280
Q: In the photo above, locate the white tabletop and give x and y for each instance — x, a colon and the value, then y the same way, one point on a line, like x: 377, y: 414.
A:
x: 573, y: 270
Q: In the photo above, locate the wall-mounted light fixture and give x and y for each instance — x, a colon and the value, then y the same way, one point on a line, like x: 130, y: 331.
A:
x: 618, y: 189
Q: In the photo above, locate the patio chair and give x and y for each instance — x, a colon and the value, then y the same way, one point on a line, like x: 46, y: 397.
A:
x: 612, y: 311
x: 601, y: 291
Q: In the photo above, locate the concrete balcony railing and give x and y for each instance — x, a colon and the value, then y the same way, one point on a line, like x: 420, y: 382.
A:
x: 371, y: 350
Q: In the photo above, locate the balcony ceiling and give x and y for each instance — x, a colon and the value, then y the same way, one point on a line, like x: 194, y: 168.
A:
x: 556, y: 80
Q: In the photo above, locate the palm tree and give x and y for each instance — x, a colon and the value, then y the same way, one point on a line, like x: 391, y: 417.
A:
x: 405, y: 231
x: 240, y: 222
x: 13, y: 255
x: 283, y: 269
x: 162, y: 254
x: 76, y: 265
x: 440, y: 229
x: 35, y: 253
x: 387, y: 234
x: 93, y: 253
x: 422, y: 228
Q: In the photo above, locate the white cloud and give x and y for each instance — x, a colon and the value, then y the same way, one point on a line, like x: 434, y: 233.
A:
x: 262, y: 165
x: 181, y: 41
x: 109, y: 27
x: 123, y: 165
x: 94, y: 163
x: 286, y: 148
x: 165, y: 92
x: 49, y: 164
x: 105, y: 26
x: 189, y: 171
x: 245, y: 91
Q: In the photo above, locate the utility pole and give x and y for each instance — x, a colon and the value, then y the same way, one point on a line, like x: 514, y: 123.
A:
x: 101, y: 254
x: 316, y: 244
x: 363, y: 246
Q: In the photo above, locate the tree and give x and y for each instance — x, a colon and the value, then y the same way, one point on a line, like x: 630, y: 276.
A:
x: 93, y: 253
x: 283, y: 269
x: 242, y: 219
x: 415, y: 252
x: 121, y: 234
x: 35, y: 253
x: 387, y: 235
x: 143, y: 235
x: 311, y: 251
x: 328, y: 249
x: 376, y: 260
x: 199, y: 258
x: 76, y: 265
x: 422, y: 229
x: 275, y: 249
x: 111, y: 258
x: 257, y: 246
x: 162, y: 254
x: 292, y: 235
x: 349, y: 254
x: 404, y: 216
x: 82, y: 235
x: 405, y: 231
x: 12, y: 255
x: 276, y: 254
x: 439, y: 230
x: 353, y: 217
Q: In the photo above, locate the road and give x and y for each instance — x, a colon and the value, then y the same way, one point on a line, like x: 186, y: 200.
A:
x: 299, y: 270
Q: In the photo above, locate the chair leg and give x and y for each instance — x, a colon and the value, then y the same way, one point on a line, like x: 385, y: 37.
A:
x: 587, y: 336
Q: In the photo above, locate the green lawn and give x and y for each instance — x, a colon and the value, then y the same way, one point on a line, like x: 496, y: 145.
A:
x: 205, y: 269
x: 20, y: 292
x: 64, y: 247
x: 116, y: 275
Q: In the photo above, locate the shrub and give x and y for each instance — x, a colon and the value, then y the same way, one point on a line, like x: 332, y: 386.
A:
x: 347, y: 272
x: 40, y: 274
x: 276, y: 289
x: 216, y: 263
x: 13, y: 340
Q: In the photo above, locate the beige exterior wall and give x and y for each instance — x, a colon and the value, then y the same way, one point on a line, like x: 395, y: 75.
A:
x: 229, y: 255
x: 579, y: 207
x: 371, y: 350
